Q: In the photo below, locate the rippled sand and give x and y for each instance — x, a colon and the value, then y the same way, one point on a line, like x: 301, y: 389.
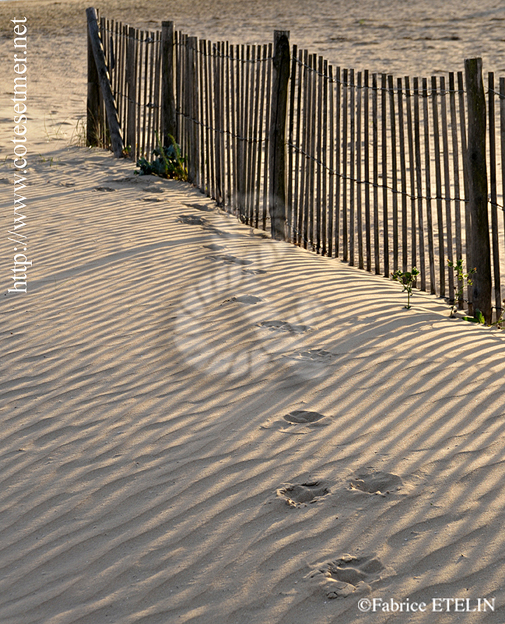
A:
x: 203, y: 426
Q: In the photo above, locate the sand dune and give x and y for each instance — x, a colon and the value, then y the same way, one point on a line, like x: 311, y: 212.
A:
x: 202, y: 425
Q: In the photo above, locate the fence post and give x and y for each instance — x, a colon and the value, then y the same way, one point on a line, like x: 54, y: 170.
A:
x: 103, y: 76
x: 168, y: 116
x: 478, y: 232
x: 277, y: 156
x: 93, y: 117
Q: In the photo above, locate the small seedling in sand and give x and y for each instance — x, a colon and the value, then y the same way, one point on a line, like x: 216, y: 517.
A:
x: 168, y: 162
x: 78, y: 137
x: 461, y: 276
x: 408, y: 279
x: 478, y: 318
x: 55, y: 132
x: 44, y: 160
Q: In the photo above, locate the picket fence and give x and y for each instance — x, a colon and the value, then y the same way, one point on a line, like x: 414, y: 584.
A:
x: 385, y: 173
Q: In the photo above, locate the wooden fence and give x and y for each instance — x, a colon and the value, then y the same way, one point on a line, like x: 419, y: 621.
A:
x: 383, y: 173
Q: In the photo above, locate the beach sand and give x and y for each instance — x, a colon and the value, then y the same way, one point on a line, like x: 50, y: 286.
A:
x: 202, y: 425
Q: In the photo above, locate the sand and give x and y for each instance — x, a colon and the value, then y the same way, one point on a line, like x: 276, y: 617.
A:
x: 202, y: 425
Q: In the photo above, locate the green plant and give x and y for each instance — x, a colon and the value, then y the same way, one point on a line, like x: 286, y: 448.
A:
x: 168, y: 162
x: 55, y: 131
x: 461, y: 276
x: 408, y: 279
x: 78, y: 137
x: 478, y: 318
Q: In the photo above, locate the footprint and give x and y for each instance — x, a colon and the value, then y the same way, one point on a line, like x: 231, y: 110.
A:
x: 191, y: 220
x: 284, y: 326
x: 230, y: 259
x: 104, y: 188
x: 347, y: 575
x: 314, y: 355
x: 299, y: 494
x: 214, y: 247
x: 301, y: 416
x: 152, y: 199
x: 380, y: 483
x: 249, y: 299
x: 154, y: 189
x: 254, y: 271
x: 298, y: 422
x: 201, y: 207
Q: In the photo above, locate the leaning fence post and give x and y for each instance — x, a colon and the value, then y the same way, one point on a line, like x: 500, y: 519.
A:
x: 103, y: 76
x: 478, y: 232
x: 93, y: 101
x: 277, y: 156
x: 168, y: 117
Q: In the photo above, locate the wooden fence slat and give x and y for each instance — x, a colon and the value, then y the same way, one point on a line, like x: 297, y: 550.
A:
x: 331, y: 198
x: 438, y: 182
x: 494, y: 195
x: 455, y: 166
x: 359, y: 207
x: 150, y: 138
x: 253, y: 129
x: 246, y: 133
x: 168, y: 115
x: 157, y: 87
x: 261, y: 147
x: 209, y: 90
x: 384, y: 170
x: 233, y: 127
x: 375, y: 157
x: 419, y: 185
x: 303, y: 232
x: 394, y: 170
x: 427, y: 178
x: 131, y: 79
x: 403, y: 173
x: 268, y: 100
x: 352, y: 166
x: 412, y: 176
x: 296, y: 83
x: 139, y: 38
x: 318, y: 178
x: 312, y: 149
x: 216, y: 100
x: 366, y: 116
x: 338, y: 152
x: 228, y: 129
x: 447, y: 187
x: 502, y: 144
x: 203, y: 175
x: 462, y: 129
x: 324, y: 149
x: 345, y: 159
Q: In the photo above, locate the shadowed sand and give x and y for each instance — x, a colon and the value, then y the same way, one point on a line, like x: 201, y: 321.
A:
x: 201, y: 425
